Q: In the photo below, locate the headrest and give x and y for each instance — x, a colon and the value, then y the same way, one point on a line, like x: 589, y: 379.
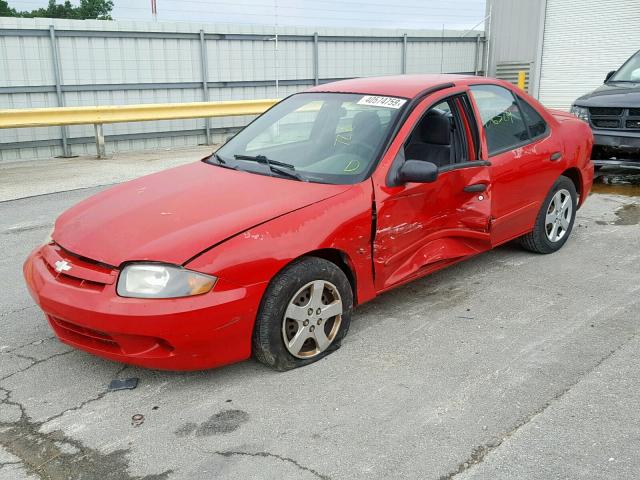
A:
x: 365, y: 125
x: 436, y: 128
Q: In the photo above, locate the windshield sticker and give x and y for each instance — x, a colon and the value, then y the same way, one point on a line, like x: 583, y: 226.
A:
x: 389, y: 102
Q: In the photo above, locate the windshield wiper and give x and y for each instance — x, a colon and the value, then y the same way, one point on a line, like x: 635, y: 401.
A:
x: 287, y: 173
x: 220, y: 162
x: 273, y: 166
x: 263, y: 159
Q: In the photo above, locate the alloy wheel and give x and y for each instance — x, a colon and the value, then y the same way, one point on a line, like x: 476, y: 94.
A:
x: 312, y: 319
x: 558, y: 216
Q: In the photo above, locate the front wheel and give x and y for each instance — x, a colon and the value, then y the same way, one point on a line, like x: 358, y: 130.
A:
x: 304, y: 314
x: 555, y: 219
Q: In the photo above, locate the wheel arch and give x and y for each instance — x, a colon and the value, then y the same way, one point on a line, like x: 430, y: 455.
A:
x: 575, y: 176
x: 341, y: 260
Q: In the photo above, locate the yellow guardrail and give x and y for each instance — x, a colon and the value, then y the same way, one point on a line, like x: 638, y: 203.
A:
x: 41, y: 117
x: 99, y: 115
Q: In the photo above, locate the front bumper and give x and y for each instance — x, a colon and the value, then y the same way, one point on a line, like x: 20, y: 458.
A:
x: 190, y: 333
x: 616, y: 148
x: 623, y: 164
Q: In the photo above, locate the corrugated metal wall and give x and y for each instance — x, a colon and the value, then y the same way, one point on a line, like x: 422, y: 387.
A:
x: 111, y: 63
x: 582, y: 42
x: 514, y: 31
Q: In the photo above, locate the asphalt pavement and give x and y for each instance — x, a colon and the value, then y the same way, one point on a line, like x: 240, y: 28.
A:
x: 510, y: 365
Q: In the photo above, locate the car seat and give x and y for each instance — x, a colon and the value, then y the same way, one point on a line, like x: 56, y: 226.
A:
x: 366, y: 134
x: 433, y: 143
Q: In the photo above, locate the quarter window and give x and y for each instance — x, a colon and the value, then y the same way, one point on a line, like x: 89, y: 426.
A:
x: 532, y: 118
x: 501, y: 118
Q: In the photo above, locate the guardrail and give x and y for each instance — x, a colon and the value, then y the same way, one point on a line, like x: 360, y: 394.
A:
x: 43, y: 117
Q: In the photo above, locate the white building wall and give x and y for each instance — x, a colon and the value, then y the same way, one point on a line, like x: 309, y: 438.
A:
x: 582, y: 42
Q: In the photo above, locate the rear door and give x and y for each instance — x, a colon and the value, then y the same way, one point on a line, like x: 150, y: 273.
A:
x: 525, y: 159
x: 421, y: 227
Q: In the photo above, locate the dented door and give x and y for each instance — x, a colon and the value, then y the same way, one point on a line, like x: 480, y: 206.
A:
x: 422, y: 227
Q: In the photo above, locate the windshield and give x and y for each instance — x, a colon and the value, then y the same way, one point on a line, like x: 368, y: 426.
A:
x: 319, y: 137
x: 629, y: 72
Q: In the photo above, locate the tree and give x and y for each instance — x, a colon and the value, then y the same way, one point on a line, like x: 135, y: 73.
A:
x: 88, y: 9
x: 98, y: 9
x: 6, y: 10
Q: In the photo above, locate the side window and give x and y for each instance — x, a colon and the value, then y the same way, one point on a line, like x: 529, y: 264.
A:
x: 440, y: 136
x: 532, y: 118
x: 502, y: 119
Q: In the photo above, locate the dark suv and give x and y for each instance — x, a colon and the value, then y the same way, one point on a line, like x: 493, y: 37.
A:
x: 613, y: 111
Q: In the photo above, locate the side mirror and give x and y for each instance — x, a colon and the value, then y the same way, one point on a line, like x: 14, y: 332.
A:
x: 609, y: 75
x: 418, y: 171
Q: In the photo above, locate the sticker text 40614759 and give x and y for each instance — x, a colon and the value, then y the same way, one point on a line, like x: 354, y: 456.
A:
x: 375, y: 101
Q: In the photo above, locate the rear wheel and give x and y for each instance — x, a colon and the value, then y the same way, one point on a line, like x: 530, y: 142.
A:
x: 304, y: 315
x: 555, y: 219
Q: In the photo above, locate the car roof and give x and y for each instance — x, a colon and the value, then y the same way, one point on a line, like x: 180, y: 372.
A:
x: 408, y: 86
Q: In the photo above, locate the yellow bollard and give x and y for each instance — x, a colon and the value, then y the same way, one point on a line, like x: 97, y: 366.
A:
x: 521, y: 77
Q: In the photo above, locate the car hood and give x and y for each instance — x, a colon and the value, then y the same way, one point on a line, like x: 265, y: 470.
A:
x: 613, y: 94
x: 173, y: 215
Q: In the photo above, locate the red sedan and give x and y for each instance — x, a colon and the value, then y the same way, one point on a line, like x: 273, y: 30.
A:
x: 329, y: 198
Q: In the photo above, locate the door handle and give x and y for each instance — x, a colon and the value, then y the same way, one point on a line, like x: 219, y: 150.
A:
x: 555, y: 156
x: 475, y: 188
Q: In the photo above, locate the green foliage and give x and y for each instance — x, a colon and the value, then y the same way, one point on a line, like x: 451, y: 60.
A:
x: 6, y: 10
x: 88, y: 9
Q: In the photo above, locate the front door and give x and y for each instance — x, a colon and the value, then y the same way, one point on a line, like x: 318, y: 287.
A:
x: 421, y: 227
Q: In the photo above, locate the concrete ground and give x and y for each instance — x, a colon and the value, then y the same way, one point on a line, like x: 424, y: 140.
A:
x: 508, y: 366
x: 38, y: 177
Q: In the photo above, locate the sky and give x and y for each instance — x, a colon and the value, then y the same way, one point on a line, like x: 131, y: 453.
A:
x: 418, y: 14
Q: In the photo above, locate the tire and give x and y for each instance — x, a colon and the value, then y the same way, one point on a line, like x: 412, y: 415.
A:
x: 290, y: 323
x: 549, y: 237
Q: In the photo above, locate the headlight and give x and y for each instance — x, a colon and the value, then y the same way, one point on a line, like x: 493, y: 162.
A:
x: 154, y: 280
x: 581, y: 112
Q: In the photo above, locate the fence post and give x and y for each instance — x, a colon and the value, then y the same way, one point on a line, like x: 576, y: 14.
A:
x: 205, y: 86
x: 316, y: 67
x: 100, y: 149
x: 404, y: 53
x: 66, y: 152
x: 476, y: 61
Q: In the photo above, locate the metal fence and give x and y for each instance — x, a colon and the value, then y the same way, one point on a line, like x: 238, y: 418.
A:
x: 49, y: 63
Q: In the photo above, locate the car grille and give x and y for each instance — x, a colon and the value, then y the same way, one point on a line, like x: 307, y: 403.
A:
x: 84, y: 336
x: 605, y: 111
x: 605, y: 123
x: 117, y: 343
x: 615, y: 118
x: 80, y: 272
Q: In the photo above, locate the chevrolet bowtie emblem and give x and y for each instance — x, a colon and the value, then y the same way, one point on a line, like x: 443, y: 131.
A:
x: 62, y: 266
